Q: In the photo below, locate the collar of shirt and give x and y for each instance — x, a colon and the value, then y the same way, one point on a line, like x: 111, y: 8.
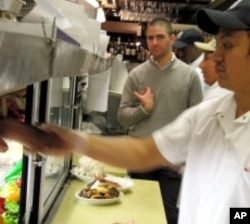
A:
x: 222, y: 110
x: 167, y: 64
x: 197, y: 61
x: 215, y: 85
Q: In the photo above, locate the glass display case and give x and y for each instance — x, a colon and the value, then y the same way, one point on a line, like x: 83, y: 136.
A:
x: 46, y: 67
x: 55, y: 105
x: 42, y: 177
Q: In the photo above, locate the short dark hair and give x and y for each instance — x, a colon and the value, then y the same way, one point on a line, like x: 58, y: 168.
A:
x: 162, y: 22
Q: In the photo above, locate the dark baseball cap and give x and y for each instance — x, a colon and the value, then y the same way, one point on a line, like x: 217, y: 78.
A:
x: 188, y: 37
x: 237, y: 17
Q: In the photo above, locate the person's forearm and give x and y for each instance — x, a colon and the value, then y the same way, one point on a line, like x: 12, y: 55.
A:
x: 130, y: 116
x: 125, y: 152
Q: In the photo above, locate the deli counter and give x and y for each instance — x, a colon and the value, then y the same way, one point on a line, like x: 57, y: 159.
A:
x: 46, y: 65
x: 141, y: 203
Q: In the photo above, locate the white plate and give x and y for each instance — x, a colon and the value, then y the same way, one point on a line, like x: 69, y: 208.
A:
x: 126, y: 183
x: 99, y: 201
x: 86, y: 179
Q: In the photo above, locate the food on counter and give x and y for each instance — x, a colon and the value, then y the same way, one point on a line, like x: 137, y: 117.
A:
x: 82, y: 171
x: 90, y: 128
x: 126, y: 183
x: 100, y: 190
x: 53, y: 166
x: 88, y: 167
x: 103, y: 182
x: 53, y: 169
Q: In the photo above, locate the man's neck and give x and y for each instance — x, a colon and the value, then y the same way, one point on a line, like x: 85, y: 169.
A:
x: 243, y: 105
x: 162, y: 61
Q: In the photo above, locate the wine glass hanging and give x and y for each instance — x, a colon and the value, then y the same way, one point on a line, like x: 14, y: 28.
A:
x: 145, y: 11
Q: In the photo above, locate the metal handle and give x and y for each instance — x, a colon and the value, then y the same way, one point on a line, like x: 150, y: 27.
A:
x: 39, y: 162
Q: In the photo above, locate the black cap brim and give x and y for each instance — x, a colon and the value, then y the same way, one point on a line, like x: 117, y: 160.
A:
x: 210, y: 21
x: 179, y: 44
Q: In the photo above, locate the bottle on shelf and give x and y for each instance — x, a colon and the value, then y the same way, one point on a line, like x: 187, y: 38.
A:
x: 119, y: 49
x: 111, y: 47
x: 127, y: 50
x: 139, y: 54
x: 133, y: 51
x: 143, y: 53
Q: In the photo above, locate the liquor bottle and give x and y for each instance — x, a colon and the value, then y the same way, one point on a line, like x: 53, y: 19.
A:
x: 119, y: 49
x: 127, y: 50
x: 111, y: 47
x: 122, y: 51
x: 133, y: 51
x: 139, y: 54
x: 143, y: 53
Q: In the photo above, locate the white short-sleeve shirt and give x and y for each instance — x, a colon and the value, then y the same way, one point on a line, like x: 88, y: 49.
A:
x: 215, y: 148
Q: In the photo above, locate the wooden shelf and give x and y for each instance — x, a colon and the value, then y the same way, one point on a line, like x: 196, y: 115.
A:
x: 122, y: 27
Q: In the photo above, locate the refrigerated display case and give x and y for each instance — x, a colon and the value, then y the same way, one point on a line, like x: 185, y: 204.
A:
x: 48, y: 69
x: 55, y: 106
x: 42, y: 177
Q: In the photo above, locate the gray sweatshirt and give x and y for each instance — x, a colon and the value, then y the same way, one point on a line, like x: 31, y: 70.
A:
x: 175, y: 87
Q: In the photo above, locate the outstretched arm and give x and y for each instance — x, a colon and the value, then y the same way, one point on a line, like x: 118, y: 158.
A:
x: 125, y: 152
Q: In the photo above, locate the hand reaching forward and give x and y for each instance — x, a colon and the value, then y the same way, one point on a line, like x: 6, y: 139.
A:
x: 146, y: 97
x: 46, y: 139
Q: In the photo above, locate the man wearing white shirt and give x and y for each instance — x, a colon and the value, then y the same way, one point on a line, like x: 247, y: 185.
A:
x: 187, y: 52
x: 207, y: 66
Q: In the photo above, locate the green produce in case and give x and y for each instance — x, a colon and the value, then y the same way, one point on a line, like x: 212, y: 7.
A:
x: 10, y: 198
x: 10, y: 215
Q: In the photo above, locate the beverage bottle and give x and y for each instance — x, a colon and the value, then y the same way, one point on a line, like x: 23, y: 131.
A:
x: 127, y: 50
x: 138, y: 53
x: 133, y: 51
x: 119, y: 50
x: 111, y: 47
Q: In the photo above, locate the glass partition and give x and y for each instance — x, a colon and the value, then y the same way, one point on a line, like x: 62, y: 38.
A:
x: 59, y: 111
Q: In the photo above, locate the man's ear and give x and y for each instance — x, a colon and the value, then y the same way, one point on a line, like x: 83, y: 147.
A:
x: 173, y: 37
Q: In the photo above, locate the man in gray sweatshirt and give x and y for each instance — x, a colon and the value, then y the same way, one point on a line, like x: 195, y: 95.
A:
x: 155, y: 93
